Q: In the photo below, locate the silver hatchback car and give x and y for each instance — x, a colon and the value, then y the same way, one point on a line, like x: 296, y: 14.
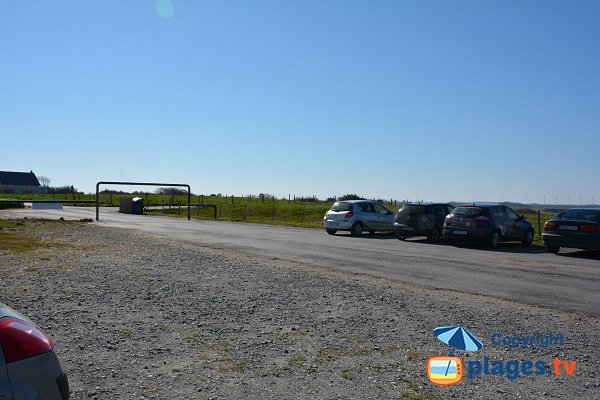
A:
x: 29, y: 368
x: 357, y: 216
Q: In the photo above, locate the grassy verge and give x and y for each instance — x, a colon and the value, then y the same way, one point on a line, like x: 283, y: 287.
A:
x: 538, y: 227
x: 15, y: 234
x: 308, y: 215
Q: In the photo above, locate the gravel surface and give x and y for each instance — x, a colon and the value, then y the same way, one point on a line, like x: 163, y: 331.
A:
x: 136, y: 317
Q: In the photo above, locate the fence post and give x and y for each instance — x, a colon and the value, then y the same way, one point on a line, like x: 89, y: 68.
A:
x: 244, y: 211
x: 273, y: 214
x: 202, y: 202
x: 231, y: 199
x: 289, y: 198
x: 539, y: 224
x: 302, y: 219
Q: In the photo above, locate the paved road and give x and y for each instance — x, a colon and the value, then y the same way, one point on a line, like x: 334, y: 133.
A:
x: 568, y: 281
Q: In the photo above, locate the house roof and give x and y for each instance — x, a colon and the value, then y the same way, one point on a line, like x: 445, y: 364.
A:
x: 18, y: 178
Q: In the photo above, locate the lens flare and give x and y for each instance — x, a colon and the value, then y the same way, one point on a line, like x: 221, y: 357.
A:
x: 165, y: 9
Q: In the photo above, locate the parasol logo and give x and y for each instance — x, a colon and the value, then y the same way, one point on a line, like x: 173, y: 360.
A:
x: 446, y: 371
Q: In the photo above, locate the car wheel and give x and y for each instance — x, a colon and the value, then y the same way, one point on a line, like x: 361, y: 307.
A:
x: 553, y: 249
x: 449, y: 242
x: 357, y: 229
x: 331, y: 231
x: 433, y: 235
x: 494, y: 240
x: 528, y: 239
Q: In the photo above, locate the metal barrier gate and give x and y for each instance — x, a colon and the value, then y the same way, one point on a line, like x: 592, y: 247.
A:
x: 139, y: 184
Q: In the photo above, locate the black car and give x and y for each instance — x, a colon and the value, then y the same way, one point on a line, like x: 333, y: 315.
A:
x: 488, y: 223
x: 577, y: 227
x: 421, y: 219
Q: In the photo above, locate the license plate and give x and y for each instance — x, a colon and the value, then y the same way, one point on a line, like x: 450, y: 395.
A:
x: 568, y: 227
x: 460, y: 232
x: 332, y: 223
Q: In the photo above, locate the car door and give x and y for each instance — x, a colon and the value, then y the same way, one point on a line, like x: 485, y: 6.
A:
x: 500, y: 221
x: 516, y: 229
x: 385, y: 218
x: 368, y: 217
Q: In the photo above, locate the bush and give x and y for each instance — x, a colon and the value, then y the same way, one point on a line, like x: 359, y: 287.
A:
x: 351, y: 197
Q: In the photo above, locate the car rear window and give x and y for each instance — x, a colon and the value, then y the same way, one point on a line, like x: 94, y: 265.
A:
x: 412, y: 210
x: 469, y: 212
x: 582, y: 215
x: 341, y: 206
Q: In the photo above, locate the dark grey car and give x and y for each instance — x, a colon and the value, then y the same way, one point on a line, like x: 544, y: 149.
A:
x: 577, y: 228
x: 488, y: 223
x: 421, y: 219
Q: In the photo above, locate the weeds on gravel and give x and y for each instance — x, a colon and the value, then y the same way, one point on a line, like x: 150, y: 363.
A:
x: 346, y: 374
x: 14, y: 236
x: 19, y: 242
x: 296, y: 360
x: 413, y: 356
x: 414, y: 392
x: 232, y: 368
x: 217, y: 355
x: 152, y: 389
x: 32, y: 269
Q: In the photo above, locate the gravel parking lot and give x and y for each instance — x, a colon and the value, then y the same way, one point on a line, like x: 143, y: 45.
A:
x: 137, y: 317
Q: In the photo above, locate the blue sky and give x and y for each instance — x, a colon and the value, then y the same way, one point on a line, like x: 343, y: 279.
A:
x: 427, y: 100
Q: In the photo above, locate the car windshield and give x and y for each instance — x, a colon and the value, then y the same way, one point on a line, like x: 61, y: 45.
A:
x: 468, y: 211
x: 412, y: 210
x: 341, y: 206
x: 582, y: 215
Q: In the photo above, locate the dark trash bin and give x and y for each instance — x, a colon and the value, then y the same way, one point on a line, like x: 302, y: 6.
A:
x: 132, y: 205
